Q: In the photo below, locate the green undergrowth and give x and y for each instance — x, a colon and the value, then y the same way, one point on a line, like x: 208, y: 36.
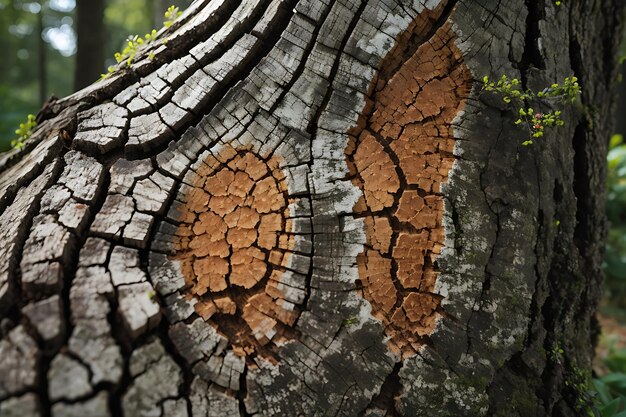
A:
x: 610, y: 389
x: 600, y: 396
x: 615, y: 255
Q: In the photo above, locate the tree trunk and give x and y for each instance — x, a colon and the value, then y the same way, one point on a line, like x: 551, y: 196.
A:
x: 620, y: 120
x: 90, y: 42
x: 42, y: 62
x: 158, y: 8
x: 303, y: 208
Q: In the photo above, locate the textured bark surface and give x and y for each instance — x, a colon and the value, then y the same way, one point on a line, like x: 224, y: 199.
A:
x: 303, y: 208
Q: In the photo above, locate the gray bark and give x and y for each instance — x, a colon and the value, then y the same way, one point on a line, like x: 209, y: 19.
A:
x: 303, y: 208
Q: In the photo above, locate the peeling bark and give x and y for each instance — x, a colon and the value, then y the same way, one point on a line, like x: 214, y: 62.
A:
x: 302, y: 208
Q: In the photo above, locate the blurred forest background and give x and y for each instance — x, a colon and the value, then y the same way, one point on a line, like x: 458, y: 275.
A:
x: 55, y: 47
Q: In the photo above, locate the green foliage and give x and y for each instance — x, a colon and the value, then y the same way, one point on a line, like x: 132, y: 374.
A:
x: 538, y: 122
x: 123, y: 17
x: 615, y: 257
x: 132, y: 45
x: 350, y: 321
x: 556, y: 354
x: 19, y: 82
x: 611, y: 388
x: 127, y: 56
x: 579, y: 382
x: 568, y: 91
x: 17, y: 110
x: 24, y: 131
x: 172, y: 13
x: 604, y: 396
x: 534, y: 121
x: 135, y: 42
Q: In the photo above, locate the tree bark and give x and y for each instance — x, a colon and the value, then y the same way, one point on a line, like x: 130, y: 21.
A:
x: 303, y: 208
x: 90, y: 43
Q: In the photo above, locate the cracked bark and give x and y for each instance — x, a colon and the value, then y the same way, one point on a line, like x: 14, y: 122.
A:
x: 302, y: 208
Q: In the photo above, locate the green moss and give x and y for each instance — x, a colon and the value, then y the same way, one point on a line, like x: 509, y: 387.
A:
x: 521, y: 400
x: 578, y: 383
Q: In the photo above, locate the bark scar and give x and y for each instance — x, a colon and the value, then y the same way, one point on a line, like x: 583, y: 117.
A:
x: 399, y: 156
x: 233, y: 244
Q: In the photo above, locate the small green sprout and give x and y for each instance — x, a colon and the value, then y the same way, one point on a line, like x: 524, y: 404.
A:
x: 350, y: 321
x: 127, y: 56
x: 533, y: 120
x: 151, y: 36
x: 151, y: 295
x: 556, y: 354
x: 135, y: 42
x: 24, y: 132
x: 171, y: 15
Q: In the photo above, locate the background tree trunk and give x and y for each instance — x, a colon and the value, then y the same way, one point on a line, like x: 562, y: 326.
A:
x: 158, y: 8
x: 42, y: 75
x: 90, y: 42
x: 299, y: 208
x: 620, y: 120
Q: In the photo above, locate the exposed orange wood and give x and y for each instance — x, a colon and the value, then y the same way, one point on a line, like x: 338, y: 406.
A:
x: 400, y: 155
x: 232, y: 238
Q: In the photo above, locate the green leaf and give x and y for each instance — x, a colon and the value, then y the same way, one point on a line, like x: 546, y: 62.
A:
x: 602, y: 390
x: 616, y: 140
x: 611, y: 408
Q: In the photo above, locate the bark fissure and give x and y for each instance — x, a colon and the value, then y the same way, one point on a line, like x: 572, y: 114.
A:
x: 532, y: 54
x: 297, y: 73
x: 386, y: 399
x: 312, y: 127
x: 225, y: 86
x: 581, y: 188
